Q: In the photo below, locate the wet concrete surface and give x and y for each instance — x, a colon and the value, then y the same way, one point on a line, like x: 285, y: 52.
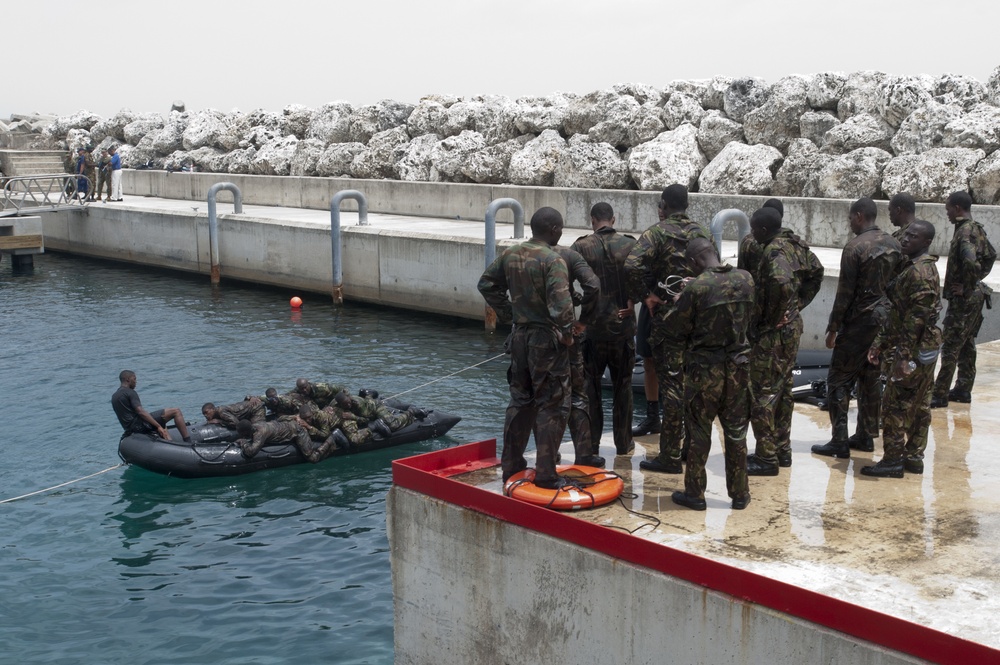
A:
x: 925, y: 548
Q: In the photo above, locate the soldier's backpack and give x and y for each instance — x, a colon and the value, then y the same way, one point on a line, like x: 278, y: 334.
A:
x: 986, y: 254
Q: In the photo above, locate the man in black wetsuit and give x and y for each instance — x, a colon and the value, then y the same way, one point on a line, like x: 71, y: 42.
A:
x: 135, y: 419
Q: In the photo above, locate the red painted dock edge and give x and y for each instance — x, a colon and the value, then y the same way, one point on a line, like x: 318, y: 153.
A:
x: 430, y: 474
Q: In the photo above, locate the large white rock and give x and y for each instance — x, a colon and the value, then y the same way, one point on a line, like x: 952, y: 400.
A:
x: 490, y: 164
x: 963, y: 91
x: 979, y: 128
x: 776, y: 121
x: 851, y: 176
x: 415, y: 162
x: 143, y: 156
x: 207, y: 159
x: 715, y: 93
x: 924, y: 128
x: 113, y: 126
x: 985, y: 181
x: 618, y: 117
x: 797, y: 175
x: 336, y: 159
x: 235, y: 135
x: 862, y: 130
x: 588, y: 165
x: 204, y: 128
x: 274, y: 157
x: 585, y: 112
x: 428, y: 117
x: 498, y: 121
x: 680, y: 108
x: 306, y: 157
x: 644, y: 94
x: 933, y: 175
x: 80, y: 120
x: 901, y: 96
x: 540, y: 113
x: 672, y: 157
x: 331, y: 123
x: 814, y: 125
x: 385, y: 149
x: 170, y: 137
x: 77, y: 138
x: 450, y: 153
x: 825, y: 89
x: 861, y: 94
x: 993, y: 88
x: 265, y: 128
x: 696, y: 89
x: 367, y: 121
x: 535, y: 163
x: 741, y: 169
x: 143, y: 124
x: 744, y: 95
x: 241, y: 160
x: 716, y: 132
x: 297, y: 119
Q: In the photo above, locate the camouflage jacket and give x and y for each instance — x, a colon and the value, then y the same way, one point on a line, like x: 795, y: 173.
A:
x: 605, y: 251
x: 367, y: 408
x: 323, y: 423
x: 287, y: 404
x: 538, y: 282
x: 749, y: 256
x: 867, y: 263
x: 713, y: 312
x: 788, y: 277
x: 283, y: 430
x: 322, y: 393
x: 915, y: 293
x: 231, y: 414
x: 580, y: 273
x: 899, y: 233
x: 659, y: 253
x: 963, y: 257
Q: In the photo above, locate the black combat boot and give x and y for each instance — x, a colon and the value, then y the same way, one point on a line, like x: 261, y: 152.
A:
x: 835, y: 448
x: 651, y: 423
x: 884, y: 469
x: 960, y: 396
x: 862, y: 442
x: 760, y: 467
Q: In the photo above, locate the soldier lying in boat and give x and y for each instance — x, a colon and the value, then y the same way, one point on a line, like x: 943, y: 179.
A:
x: 381, y: 419
x: 230, y: 415
x: 332, y: 424
x: 319, y: 393
x: 287, y: 404
x: 286, y: 429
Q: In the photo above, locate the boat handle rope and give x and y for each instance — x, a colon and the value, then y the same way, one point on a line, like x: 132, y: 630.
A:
x: 69, y: 482
x: 488, y: 360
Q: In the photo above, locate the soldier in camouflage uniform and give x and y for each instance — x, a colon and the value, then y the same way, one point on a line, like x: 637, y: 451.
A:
x: 286, y: 429
x: 788, y: 276
x: 381, y: 419
x: 966, y: 295
x: 609, y: 341
x: 750, y: 250
x: 541, y: 311
x: 251, y: 409
x: 287, y: 404
x: 580, y: 429
x: 103, y: 174
x: 859, y: 309
x: 319, y: 393
x: 902, y: 211
x: 330, y: 427
x: 659, y: 254
x: 912, y: 332
x: 711, y: 316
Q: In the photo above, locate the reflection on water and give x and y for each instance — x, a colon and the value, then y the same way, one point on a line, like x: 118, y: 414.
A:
x: 135, y: 567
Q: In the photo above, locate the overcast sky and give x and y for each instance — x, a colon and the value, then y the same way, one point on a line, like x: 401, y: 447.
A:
x: 104, y: 55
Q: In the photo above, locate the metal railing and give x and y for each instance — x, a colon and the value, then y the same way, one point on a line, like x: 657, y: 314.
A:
x: 213, y: 223
x: 337, y: 289
x: 728, y: 215
x: 41, y: 192
x: 490, y: 247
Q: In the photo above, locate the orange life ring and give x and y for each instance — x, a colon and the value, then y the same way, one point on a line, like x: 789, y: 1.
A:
x: 588, y: 487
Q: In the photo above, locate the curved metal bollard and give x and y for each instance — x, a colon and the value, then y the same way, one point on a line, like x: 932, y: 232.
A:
x: 337, y: 290
x: 490, y: 248
x: 723, y: 216
x: 213, y: 222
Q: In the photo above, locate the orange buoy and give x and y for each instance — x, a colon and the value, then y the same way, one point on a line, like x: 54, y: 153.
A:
x: 587, y: 487
x: 295, y: 302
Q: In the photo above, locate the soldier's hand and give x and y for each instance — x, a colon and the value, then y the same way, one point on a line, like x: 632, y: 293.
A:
x: 651, y: 301
x: 957, y: 290
x: 873, y: 354
x: 831, y: 339
x: 578, y: 328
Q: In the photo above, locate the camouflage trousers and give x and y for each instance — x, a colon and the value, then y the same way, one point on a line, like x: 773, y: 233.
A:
x: 849, y: 366
x: 771, y: 406
x: 277, y: 432
x: 906, y: 415
x: 356, y: 435
x: 539, y: 378
x: 669, y: 363
x: 396, y: 420
x: 961, y: 325
x: 579, y: 410
x: 619, y: 357
x: 717, y: 389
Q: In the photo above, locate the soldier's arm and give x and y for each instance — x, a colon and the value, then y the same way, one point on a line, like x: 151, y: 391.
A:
x: 557, y: 298
x: 586, y: 278
x: 845, y: 289
x: 493, y: 287
x: 920, y: 308
x: 813, y: 279
x: 969, y: 262
x: 638, y: 268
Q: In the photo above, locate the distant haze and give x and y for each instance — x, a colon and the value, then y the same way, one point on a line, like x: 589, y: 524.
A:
x: 105, y: 55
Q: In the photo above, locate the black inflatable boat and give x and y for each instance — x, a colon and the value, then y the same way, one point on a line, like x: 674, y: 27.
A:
x: 213, y: 451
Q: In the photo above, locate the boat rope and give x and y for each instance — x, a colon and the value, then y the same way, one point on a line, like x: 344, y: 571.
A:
x: 654, y: 521
x: 488, y: 360
x: 69, y: 482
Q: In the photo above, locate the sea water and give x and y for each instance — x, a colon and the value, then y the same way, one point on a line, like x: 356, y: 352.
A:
x: 286, y: 565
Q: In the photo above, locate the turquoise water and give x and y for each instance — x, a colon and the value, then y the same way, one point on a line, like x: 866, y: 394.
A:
x: 289, y: 565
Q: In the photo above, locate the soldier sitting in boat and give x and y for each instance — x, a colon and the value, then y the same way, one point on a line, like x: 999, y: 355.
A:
x: 287, y: 404
x: 319, y: 393
x: 286, y: 429
x: 252, y: 409
x: 381, y: 419
x: 331, y: 424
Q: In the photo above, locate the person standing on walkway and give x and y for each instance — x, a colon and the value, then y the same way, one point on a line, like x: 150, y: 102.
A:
x: 585, y: 447
x: 711, y: 316
x: 609, y: 341
x: 103, y: 176
x: 135, y: 419
x: 82, y: 186
x: 859, y: 310
x: 116, y: 174
x: 541, y: 311
x: 970, y: 260
x: 902, y: 211
x: 787, y: 278
x: 655, y: 267
x: 912, y: 334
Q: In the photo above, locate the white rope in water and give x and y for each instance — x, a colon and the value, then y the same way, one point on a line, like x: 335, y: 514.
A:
x: 488, y: 360
x: 49, y: 489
